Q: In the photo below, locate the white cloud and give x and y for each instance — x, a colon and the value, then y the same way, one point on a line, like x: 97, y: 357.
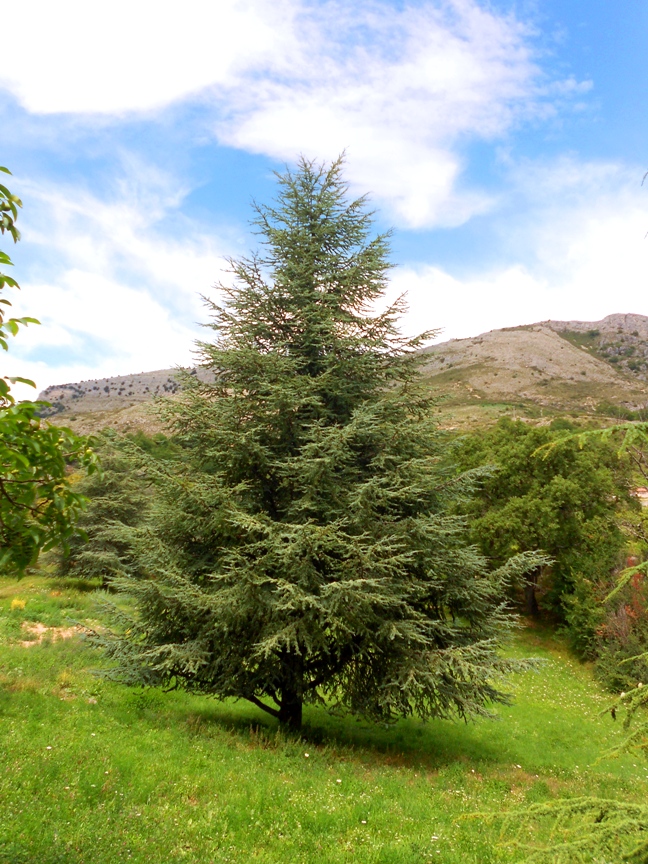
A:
x: 580, y: 230
x: 120, y: 294
x: 119, y: 56
x: 97, y: 327
x: 402, y: 89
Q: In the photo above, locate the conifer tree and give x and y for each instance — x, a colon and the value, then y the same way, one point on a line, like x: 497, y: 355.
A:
x: 117, y: 499
x: 304, y: 550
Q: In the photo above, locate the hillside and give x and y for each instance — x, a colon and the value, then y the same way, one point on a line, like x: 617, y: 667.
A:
x: 548, y: 368
x: 560, y: 366
x: 101, y: 394
x: 123, y: 402
x: 621, y: 340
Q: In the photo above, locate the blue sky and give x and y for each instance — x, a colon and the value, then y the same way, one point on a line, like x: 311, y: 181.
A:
x: 505, y: 143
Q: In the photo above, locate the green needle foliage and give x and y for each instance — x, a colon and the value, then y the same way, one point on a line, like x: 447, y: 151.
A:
x: 304, y: 551
x: 583, y: 830
x: 117, y: 498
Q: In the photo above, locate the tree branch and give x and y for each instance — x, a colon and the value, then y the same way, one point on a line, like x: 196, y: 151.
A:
x: 272, y: 711
x: 19, y: 505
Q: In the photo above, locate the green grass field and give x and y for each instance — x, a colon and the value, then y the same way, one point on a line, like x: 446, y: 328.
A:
x: 97, y: 772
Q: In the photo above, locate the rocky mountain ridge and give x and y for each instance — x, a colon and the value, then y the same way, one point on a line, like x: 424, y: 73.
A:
x: 618, y: 339
x: 101, y: 394
x: 564, y: 366
x: 578, y: 367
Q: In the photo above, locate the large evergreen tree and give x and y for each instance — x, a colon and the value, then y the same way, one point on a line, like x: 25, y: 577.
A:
x: 304, y: 550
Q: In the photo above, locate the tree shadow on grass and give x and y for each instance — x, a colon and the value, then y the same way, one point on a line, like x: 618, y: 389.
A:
x: 411, y: 743
x: 71, y: 583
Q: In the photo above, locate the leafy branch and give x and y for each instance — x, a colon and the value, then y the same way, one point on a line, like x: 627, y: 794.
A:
x: 9, y: 205
x: 38, y: 506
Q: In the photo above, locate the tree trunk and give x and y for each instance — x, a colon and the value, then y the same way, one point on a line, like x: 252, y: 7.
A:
x: 530, y: 598
x: 292, y: 691
x: 290, y: 712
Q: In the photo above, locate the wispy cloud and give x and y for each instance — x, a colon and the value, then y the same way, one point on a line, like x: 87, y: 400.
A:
x: 120, y: 294
x: 402, y: 89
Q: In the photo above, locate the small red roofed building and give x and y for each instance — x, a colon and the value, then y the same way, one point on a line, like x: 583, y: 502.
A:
x: 641, y: 492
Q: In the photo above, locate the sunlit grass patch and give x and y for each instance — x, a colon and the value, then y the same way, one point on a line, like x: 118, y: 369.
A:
x: 98, y: 772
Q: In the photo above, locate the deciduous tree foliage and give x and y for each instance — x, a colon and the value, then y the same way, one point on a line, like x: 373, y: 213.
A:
x: 305, y: 552
x: 9, y: 204
x: 589, y: 828
x: 37, y: 503
x: 562, y: 499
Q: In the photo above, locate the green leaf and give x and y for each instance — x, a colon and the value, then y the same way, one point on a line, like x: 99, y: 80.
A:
x: 17, y: 380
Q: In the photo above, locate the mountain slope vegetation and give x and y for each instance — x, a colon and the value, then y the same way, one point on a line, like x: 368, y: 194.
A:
x: 555, y: 366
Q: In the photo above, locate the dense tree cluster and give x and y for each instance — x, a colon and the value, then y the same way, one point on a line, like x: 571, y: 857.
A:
x: 553, y: 494
x: 569, y: 493
x: 119, y: 498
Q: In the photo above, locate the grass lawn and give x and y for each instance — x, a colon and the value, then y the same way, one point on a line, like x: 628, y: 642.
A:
x: 97, y: 772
